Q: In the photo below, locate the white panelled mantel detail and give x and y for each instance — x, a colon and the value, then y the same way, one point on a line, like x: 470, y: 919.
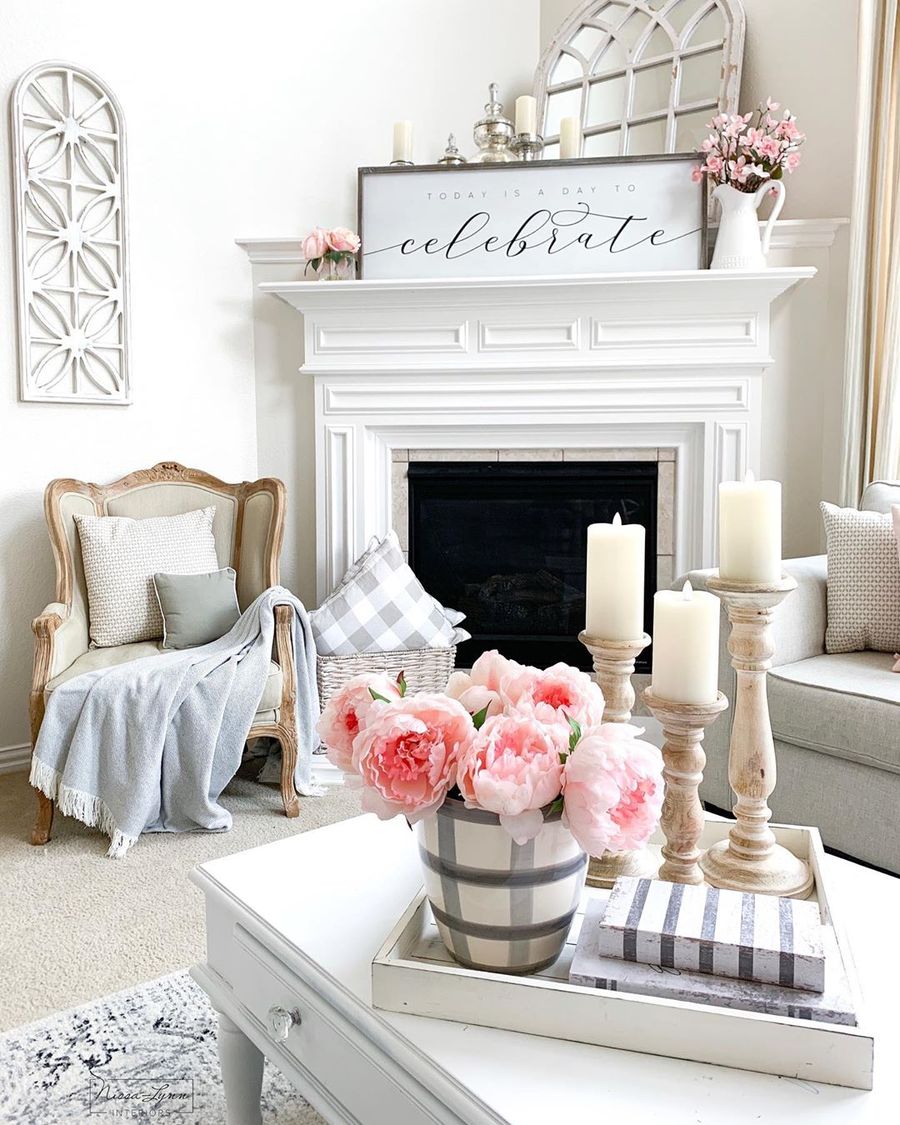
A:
x: 603, y: 362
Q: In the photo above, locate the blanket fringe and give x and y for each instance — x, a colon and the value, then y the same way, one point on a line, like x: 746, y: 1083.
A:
x: 87, y: 808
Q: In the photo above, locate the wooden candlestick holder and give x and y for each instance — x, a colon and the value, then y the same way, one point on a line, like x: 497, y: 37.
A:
x: 613, y: 669
x: 682, y: 818
x: 750, y: 860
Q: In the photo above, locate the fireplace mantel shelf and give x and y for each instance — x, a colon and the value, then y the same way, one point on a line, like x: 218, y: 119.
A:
x: 602, y: 362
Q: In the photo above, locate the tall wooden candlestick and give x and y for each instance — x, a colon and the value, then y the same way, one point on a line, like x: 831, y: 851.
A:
x: 750, y: 860
x: 613, y: 669
x: 683, y: 760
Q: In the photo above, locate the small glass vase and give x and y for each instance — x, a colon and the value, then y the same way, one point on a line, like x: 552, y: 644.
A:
x: 336, y: 269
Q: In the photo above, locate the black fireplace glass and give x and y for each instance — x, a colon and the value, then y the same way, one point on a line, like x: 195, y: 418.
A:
x: 505, y: 542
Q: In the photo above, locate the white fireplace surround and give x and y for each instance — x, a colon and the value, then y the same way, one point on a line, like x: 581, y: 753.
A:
x: 670, y: 360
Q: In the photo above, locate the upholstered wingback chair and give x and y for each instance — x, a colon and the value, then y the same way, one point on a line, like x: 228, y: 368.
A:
x: 248, y: 528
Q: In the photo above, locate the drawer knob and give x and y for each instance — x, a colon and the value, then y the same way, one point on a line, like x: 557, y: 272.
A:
x: 281, y: 1021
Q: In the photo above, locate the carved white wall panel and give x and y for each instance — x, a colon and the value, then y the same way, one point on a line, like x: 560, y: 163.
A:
x: 642, y: 76
x: 68, y: 138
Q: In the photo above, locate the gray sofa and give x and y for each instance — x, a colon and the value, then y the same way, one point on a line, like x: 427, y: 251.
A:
x: 835, y: 720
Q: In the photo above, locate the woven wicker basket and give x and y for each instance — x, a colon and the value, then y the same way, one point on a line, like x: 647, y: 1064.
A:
x: 426, y: 669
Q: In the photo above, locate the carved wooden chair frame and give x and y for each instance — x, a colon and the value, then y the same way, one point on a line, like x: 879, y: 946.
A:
x: 45, y: 626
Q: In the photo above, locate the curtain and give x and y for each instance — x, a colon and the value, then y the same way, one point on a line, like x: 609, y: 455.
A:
x: 872, y: 379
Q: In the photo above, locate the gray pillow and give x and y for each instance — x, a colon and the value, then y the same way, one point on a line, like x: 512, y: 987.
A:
x: 196, y: 608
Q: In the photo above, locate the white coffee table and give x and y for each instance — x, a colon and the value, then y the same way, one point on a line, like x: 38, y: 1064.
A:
x: 294, y: 926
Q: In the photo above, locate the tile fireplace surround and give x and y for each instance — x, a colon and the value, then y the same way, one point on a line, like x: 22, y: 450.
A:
x: 669, y: 364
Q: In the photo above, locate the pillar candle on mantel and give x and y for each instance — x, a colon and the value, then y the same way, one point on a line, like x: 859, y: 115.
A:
x: 750, y: 531
x: 569, y: 138
x: 403, y: 141
x: 526, y: 114
x: 685, y: 645
x: 615, y: 581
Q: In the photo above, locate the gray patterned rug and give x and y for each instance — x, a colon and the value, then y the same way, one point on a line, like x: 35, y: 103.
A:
x: 147, y: 1055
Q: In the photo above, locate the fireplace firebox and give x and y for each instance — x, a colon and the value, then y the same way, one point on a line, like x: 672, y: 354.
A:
x: 505, y: 542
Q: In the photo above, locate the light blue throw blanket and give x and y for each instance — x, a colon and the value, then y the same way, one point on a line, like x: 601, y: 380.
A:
x: 148, y: 746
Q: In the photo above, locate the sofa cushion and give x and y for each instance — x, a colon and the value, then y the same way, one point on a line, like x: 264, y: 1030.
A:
x: 846, y: 705
x: 863, y: 581
x: 118, y: 654
x: 879, y: 495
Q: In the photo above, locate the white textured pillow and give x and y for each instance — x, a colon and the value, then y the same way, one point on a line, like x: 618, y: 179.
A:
x: 863, y: 581
x: 381, y: 606
x: 121, y: 556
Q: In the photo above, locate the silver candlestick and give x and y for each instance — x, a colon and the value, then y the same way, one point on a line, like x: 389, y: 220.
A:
x: 493, y: 132
x: 528, y: 146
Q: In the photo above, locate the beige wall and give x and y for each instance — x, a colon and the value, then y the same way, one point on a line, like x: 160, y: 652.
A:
x: 242, y: 120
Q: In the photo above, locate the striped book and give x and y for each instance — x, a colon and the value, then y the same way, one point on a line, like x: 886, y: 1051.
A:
x: 723, y: 933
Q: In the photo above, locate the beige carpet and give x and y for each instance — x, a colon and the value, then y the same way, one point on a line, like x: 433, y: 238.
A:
x: 75, y: 925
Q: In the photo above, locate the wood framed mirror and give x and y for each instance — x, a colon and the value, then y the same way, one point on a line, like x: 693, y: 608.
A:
x: 642, y: 76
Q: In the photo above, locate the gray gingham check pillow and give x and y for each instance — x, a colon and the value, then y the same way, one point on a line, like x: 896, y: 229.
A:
x: 381, y: 607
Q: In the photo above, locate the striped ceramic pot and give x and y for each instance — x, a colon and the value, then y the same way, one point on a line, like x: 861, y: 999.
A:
x: 500, y: 906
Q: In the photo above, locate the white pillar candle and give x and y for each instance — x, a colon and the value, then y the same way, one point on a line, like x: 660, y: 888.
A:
x: 615, y: 581
x: 403, y: 140
x: 569, y: 138
x: 750, y: 530
x: 685, y: 645
x: 526, y: 114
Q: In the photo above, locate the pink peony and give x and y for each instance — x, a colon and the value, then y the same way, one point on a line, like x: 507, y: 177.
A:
x: 512, y: 767
x: 557, y: 694
x: 480, y: 688
x: 315, y: 244
x: 407, y: 754
x: 346, y: 712
x: 342, y: 239
x: 613, y: 790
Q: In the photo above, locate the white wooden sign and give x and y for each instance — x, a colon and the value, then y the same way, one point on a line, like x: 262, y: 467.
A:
x: 537, y: 219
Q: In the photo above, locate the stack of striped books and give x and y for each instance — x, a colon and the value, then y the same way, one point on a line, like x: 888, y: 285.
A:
x: 701, y: 944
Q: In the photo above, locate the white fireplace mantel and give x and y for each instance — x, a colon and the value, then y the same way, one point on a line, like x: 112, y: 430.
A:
x: 601, y: 362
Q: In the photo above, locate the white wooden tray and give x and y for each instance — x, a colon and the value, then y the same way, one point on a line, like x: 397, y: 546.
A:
x: 413, y: 973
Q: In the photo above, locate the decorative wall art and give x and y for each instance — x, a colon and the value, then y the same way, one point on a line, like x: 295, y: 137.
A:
x: 642, y: 76
x: 538, y: 219
x: 68, y: 142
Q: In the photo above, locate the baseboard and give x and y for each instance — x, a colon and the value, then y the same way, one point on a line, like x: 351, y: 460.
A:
x: 14, y: 758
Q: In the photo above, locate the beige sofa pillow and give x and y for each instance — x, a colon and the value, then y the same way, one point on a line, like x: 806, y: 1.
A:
x: 863, y: 581
x: 121, y: 556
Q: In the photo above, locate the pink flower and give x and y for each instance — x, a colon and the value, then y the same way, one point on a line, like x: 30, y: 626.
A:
x: 791, y: 161
x: 770, y: 105
x: 697, y: 173
x: 768, y: 148
x: 613, y: 790
x: 342, y: 239
x: 314, y: 245
x: 346, y: 712
x: 512, y: 767
x: 481, y: 687
x: 407, y: 754
x: 556, y: 694
x: 714, y: 163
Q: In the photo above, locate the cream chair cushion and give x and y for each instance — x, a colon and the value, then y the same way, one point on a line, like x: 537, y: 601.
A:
x: 97, y: 658
x: 121, y: 555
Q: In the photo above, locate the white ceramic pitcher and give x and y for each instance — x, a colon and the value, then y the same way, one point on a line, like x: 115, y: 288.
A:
x: 738, y: 243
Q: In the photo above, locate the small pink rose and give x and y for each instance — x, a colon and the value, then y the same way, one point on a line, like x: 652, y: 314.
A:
x: 342, y: 239
x: 613, y: 790
x: 315, y: 244
x: 473, y: 697
x: 346, y: 712
x: 407, y: 754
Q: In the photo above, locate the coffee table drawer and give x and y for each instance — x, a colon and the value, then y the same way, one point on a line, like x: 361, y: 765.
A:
x: 271, y: 994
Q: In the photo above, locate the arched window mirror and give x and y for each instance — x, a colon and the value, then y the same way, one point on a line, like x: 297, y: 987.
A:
x: 69, y: 162
x: 643, y: 76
